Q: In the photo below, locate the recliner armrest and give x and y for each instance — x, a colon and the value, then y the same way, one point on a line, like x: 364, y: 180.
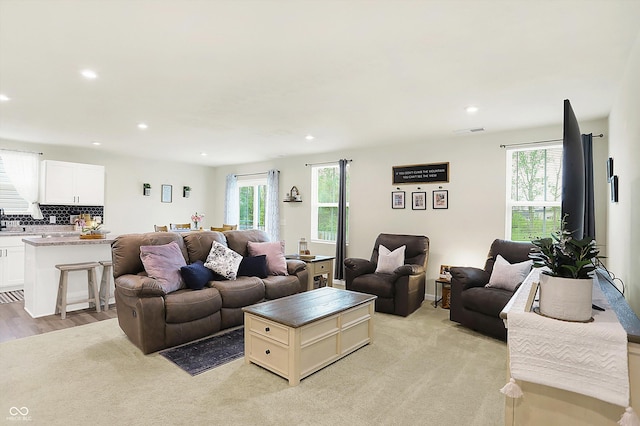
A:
x: 294, y: 266
x: 359, y: 266
x: 138, y: 286
x: 468, y: 277
x: 409, y: 270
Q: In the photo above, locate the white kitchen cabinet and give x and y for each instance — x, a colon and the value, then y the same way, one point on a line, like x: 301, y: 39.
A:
x: 11, y: 263
x: 67, y: 183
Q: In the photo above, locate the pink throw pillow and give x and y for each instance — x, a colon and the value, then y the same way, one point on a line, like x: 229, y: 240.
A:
x: 163, y: 262
x: 276, y: 263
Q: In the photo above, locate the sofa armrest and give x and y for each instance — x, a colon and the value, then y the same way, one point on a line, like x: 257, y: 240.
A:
x: 468, y: 277
x: 409, y: 270
x: 294, y: 266
x: 357, y: 267
x: 138, y: 286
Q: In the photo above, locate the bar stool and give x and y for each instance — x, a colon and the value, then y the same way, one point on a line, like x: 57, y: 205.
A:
x: 90, y: 267
x: 104, y: 283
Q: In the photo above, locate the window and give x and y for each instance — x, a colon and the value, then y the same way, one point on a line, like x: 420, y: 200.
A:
x: 10, y: 200
x: 534, y: 185
x: 325, y: 189
x: 252, y: 196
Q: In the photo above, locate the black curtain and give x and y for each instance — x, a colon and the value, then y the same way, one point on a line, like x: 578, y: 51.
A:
x: 589, y: 209
x: 341, y: 238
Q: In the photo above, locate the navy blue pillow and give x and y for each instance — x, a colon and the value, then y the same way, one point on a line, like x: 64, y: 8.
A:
x: 196, y: 275
x: 253, y: 266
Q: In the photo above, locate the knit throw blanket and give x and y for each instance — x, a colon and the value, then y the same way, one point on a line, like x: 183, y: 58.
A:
x: 586, y: 358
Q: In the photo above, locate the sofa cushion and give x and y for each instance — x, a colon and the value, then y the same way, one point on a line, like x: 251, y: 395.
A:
x: 196, y: 275
x: 237, y: 240
x: 163, y: 263
x: 223, y: 261
x: 243, y: 291
x: 389, y: 260
x: 276, y: 262
x: 198, y: 244
x: 486, y: 300
x: 277, y: 286
x: 125, y: 250
x: 506, y: 275
x: 253, y: 266
x: 188, y: 305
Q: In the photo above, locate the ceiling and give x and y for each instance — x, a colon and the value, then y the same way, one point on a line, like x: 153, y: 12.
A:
x: 246, y: 81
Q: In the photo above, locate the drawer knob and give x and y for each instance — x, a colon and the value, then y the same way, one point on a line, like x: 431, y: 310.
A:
x: 267, y: 329
x: 267, y: 352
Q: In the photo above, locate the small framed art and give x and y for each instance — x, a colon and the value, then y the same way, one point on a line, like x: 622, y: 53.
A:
x: 419, y: 200
x: 397, y: 199
x: 166, y: 193
x: 441, y: 199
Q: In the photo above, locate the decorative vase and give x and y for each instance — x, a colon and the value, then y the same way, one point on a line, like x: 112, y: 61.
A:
x: 195, y: 225
x: 566, y: 299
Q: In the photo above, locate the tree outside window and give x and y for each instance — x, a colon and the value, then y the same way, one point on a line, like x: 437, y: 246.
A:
x: 252, y: 195
x: 325, y: 188
x: 534, y: 192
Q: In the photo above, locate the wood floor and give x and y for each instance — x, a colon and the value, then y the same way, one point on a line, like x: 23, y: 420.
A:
x: 16, y: 323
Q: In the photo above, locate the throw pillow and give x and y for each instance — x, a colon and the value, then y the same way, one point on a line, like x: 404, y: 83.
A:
x: 389, y: 260
x: 253, y: 266
x: 508, y: 276
x: 223, y: 261
x: 163, y: 262
x: 276, y: 263
x: 196, y: 275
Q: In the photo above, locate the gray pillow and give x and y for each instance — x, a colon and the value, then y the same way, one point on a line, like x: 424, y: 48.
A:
x: 506, y: 275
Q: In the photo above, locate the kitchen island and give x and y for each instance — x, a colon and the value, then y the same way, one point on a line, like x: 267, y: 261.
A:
x: 41, y: 276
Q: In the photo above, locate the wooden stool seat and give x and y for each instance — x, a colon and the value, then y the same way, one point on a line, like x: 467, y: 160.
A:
x: 90, y: 267
x: 104, y: 283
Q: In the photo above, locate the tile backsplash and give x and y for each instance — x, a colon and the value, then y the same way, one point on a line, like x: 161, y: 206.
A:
x: 62, y: 214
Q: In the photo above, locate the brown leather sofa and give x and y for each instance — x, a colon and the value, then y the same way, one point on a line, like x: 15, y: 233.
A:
x: 400, y: 292
x: 478, y: 307
x: 154, y: 320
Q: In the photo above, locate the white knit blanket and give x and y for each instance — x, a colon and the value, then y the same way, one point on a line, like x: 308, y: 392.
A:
x: 586, y: 358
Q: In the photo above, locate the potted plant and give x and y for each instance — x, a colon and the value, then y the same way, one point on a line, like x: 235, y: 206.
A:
x: 186, y: 191
x: 146, y: 189
x: 566, y: 284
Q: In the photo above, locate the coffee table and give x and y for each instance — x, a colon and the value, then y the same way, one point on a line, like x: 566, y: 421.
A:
x: 297, y: 335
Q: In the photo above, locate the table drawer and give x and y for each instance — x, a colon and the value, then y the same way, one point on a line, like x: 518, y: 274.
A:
x: 269, y: 354
x: 269, y: 329
x: 318, y: 268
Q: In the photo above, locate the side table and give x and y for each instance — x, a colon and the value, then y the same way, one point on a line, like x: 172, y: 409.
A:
x: 319, y: 265
x: 444, y: 284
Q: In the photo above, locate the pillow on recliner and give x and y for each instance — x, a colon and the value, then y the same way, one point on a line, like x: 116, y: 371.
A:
x: 389, y: 260
x: 508, y: 276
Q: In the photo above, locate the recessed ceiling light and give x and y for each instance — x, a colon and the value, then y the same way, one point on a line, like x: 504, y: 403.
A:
x: 204, y: 154
x: 4, y: 98
x: 471, y: 109
x: 96, y: 143
x: 89, y: 74
x: 142, y: 126
x: 309, y: 137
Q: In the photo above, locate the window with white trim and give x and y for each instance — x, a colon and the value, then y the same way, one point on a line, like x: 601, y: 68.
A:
x: 253, y: 197
x: 10, y: 200
x: 325, y: 190
x: 534, y: 192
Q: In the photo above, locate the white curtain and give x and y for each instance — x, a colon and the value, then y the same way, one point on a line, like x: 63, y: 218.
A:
x: 23, y: 171
x: 272, y: 209
x: 232, y: 202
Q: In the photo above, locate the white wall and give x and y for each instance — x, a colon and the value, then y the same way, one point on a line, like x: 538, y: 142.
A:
x: 623, y: 227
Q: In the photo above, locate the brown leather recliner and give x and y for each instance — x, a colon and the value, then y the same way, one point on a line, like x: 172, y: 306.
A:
x: 478, y: 307
x: 155, y: 320
x: 401, y: 292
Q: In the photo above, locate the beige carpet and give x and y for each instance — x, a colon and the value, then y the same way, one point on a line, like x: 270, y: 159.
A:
x: 420, y: 370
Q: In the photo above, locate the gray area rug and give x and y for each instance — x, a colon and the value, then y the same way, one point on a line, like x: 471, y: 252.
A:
x: 208, y: 353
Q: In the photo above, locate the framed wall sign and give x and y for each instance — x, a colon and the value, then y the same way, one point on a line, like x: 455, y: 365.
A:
x: 397, y: 199
x: 441, y: 199
x: 421, y: 173
x: 166, y: 193
x: 419, y: 200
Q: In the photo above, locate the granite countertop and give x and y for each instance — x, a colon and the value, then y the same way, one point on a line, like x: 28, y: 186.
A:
x: 64, y: 241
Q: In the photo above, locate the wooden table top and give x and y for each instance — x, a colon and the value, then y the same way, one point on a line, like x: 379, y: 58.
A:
x: 303, y: 308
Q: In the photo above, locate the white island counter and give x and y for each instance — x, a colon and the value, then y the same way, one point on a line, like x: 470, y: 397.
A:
x: 41, y: 276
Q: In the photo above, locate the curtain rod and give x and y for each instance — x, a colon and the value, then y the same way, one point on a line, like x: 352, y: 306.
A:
x: 536, y: 142
x: 254, y: 174
x: 326, y: 162
x: 17, y: 150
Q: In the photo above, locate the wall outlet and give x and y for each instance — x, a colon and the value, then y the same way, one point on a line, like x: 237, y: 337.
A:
x: 52, y: 219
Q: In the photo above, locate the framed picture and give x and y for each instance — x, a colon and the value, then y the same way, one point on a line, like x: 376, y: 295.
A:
x: 166, y: 193
x: 445, y: 272
x: 397, y: 199
x: 419, y: 200
x: 441, y: 199
x: 609, y: 169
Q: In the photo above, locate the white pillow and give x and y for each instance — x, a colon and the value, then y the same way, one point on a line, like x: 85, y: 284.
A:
x: 388, y: 261
x: 508, y: 276
x: 223, y: 261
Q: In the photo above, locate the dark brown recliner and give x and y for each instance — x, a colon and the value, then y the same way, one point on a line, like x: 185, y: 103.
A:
x: 401, y: 292
x: 478, y: 307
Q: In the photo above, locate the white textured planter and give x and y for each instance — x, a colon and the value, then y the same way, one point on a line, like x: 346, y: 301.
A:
x: 566, y: 298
